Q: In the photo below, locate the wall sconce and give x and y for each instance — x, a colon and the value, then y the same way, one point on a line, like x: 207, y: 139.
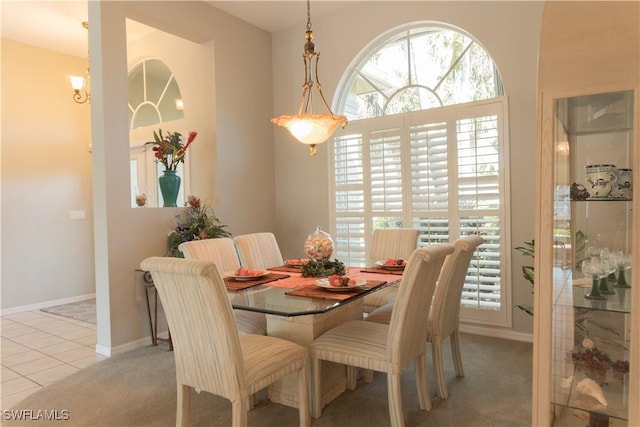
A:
x: 79, y: 84
x: 306, y: 127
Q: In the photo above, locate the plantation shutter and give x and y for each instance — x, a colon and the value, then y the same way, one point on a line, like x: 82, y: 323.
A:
x: 439, y: 171
x: 479, y: 204
x: 349, y: 205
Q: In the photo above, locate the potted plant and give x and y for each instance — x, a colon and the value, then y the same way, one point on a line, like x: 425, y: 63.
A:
x: 197, y: 221
x: 527, y: 272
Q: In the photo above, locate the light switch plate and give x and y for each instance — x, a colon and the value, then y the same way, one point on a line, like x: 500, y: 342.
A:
x: 76, y: 214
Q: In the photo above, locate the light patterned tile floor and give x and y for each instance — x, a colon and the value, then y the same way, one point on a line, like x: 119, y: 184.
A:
x: 38, y: 348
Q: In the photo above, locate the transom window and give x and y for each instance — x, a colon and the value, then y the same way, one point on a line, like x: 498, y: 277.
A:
x: 426, y: 148
x: 418, y: 69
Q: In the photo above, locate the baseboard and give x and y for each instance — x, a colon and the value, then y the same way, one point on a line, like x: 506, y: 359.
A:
x: 132, y: 345
x: 496, y: 332
x: 45, y: 304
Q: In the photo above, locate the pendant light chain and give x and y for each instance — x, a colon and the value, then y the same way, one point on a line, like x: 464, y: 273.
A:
x: 307, y: 127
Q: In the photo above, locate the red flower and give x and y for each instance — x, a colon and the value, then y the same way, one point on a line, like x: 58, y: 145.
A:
x: 190, y: 138
x: 168, y: 148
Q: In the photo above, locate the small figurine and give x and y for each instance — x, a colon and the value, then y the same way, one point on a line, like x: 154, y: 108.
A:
x: 578, y: 192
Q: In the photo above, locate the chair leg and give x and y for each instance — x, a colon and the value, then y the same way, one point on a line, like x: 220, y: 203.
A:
x: 183, y: 415
x: 368, y: 376
x: 422, y: 382
x: 395, y: 400
x: 352, y: 377
x: 316, y: 398
x: 239, y: 411
x: 253, y: 400
x: 303, y: 396
x: 455, y: 351
x: 438, y: 368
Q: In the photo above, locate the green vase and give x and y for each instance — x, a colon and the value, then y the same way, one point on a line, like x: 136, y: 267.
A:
x: 169, y: 187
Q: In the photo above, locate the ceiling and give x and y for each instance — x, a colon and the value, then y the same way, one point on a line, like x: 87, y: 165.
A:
x: 57, y: 25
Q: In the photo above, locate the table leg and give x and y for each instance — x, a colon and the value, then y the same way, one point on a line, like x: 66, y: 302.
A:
x: 154, y: 341
x: 153, y: 319
x: 303, y: 330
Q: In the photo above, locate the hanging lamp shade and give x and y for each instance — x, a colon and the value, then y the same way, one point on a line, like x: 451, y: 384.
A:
x: 311, y: 129
x: 307, y: 127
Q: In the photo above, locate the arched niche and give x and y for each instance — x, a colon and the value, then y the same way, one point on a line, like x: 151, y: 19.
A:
x: 171, y: 87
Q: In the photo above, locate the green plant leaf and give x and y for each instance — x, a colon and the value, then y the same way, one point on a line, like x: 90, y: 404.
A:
x: 526, y: 308
x: 528, y: 273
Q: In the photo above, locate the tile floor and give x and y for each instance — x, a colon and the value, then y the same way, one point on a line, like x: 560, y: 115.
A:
x: 38, y: 348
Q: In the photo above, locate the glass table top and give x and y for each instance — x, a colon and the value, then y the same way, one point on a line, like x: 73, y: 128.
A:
x: 271, y: 298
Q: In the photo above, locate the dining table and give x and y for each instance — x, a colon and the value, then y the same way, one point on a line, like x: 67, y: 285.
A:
x: 300, y: 309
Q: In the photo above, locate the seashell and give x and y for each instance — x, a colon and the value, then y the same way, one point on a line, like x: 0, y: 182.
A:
x: 566, y: 382
x: 589, y: 387
x: 587, y: 343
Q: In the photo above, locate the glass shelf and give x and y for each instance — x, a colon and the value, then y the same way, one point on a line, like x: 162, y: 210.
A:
x: 620, y: 302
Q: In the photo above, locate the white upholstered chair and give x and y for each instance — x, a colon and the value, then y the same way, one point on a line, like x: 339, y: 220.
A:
x: 388, y: 347
x: 210, y: 355
x: 444, y: 312
x: 222, y: 252
x: 387, y: 243
x: 258, y: 250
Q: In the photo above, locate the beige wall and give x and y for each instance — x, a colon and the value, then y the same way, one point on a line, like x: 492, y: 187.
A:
x: 46, y: 172
x: 508, y: 30
x: 124, y: 236
x: 249, y: 167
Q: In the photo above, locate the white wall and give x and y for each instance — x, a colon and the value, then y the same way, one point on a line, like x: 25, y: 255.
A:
x: 125, y: 236
x: 508, y: 30
x: 46, y: 172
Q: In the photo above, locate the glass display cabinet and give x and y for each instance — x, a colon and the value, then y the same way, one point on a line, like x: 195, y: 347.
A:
x: 586, y: 351
x: 592, y: 216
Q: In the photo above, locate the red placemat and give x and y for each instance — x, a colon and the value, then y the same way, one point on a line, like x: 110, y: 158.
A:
x: 382, y: 270
x: 286, y: 269
x: 313, y: 291
x: 238, y: 285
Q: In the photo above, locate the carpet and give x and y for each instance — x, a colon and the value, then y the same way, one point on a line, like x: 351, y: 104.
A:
x: 84, y: 311
x: 138, y: 389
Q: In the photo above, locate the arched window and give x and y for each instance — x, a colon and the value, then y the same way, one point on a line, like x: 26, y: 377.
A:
x: 418, y: 69
x: 154, y: 94
x: 426, y: 148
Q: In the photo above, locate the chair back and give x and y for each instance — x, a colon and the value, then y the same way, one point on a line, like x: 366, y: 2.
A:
x: 396, y: 243
x: 220, y: 251
x: 408, y: 325
x: 203, y: 329
x: 258, y: 250
x: 445, y: 308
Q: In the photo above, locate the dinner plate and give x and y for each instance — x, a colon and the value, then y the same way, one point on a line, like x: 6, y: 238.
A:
x: 232, y: 275
x: 324, y: 283
x: 391, y: 267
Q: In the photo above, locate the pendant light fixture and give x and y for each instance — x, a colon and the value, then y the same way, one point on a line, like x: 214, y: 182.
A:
x: 79, y: 84
x: 307, y: 127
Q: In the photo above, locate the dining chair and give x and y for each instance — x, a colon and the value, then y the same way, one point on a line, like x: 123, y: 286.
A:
x: 222, y: 252
x: 388, y: 347
x: 386, y: 243
x: 444, y: 311
x: 210, y: 354
x: 258, y: 250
